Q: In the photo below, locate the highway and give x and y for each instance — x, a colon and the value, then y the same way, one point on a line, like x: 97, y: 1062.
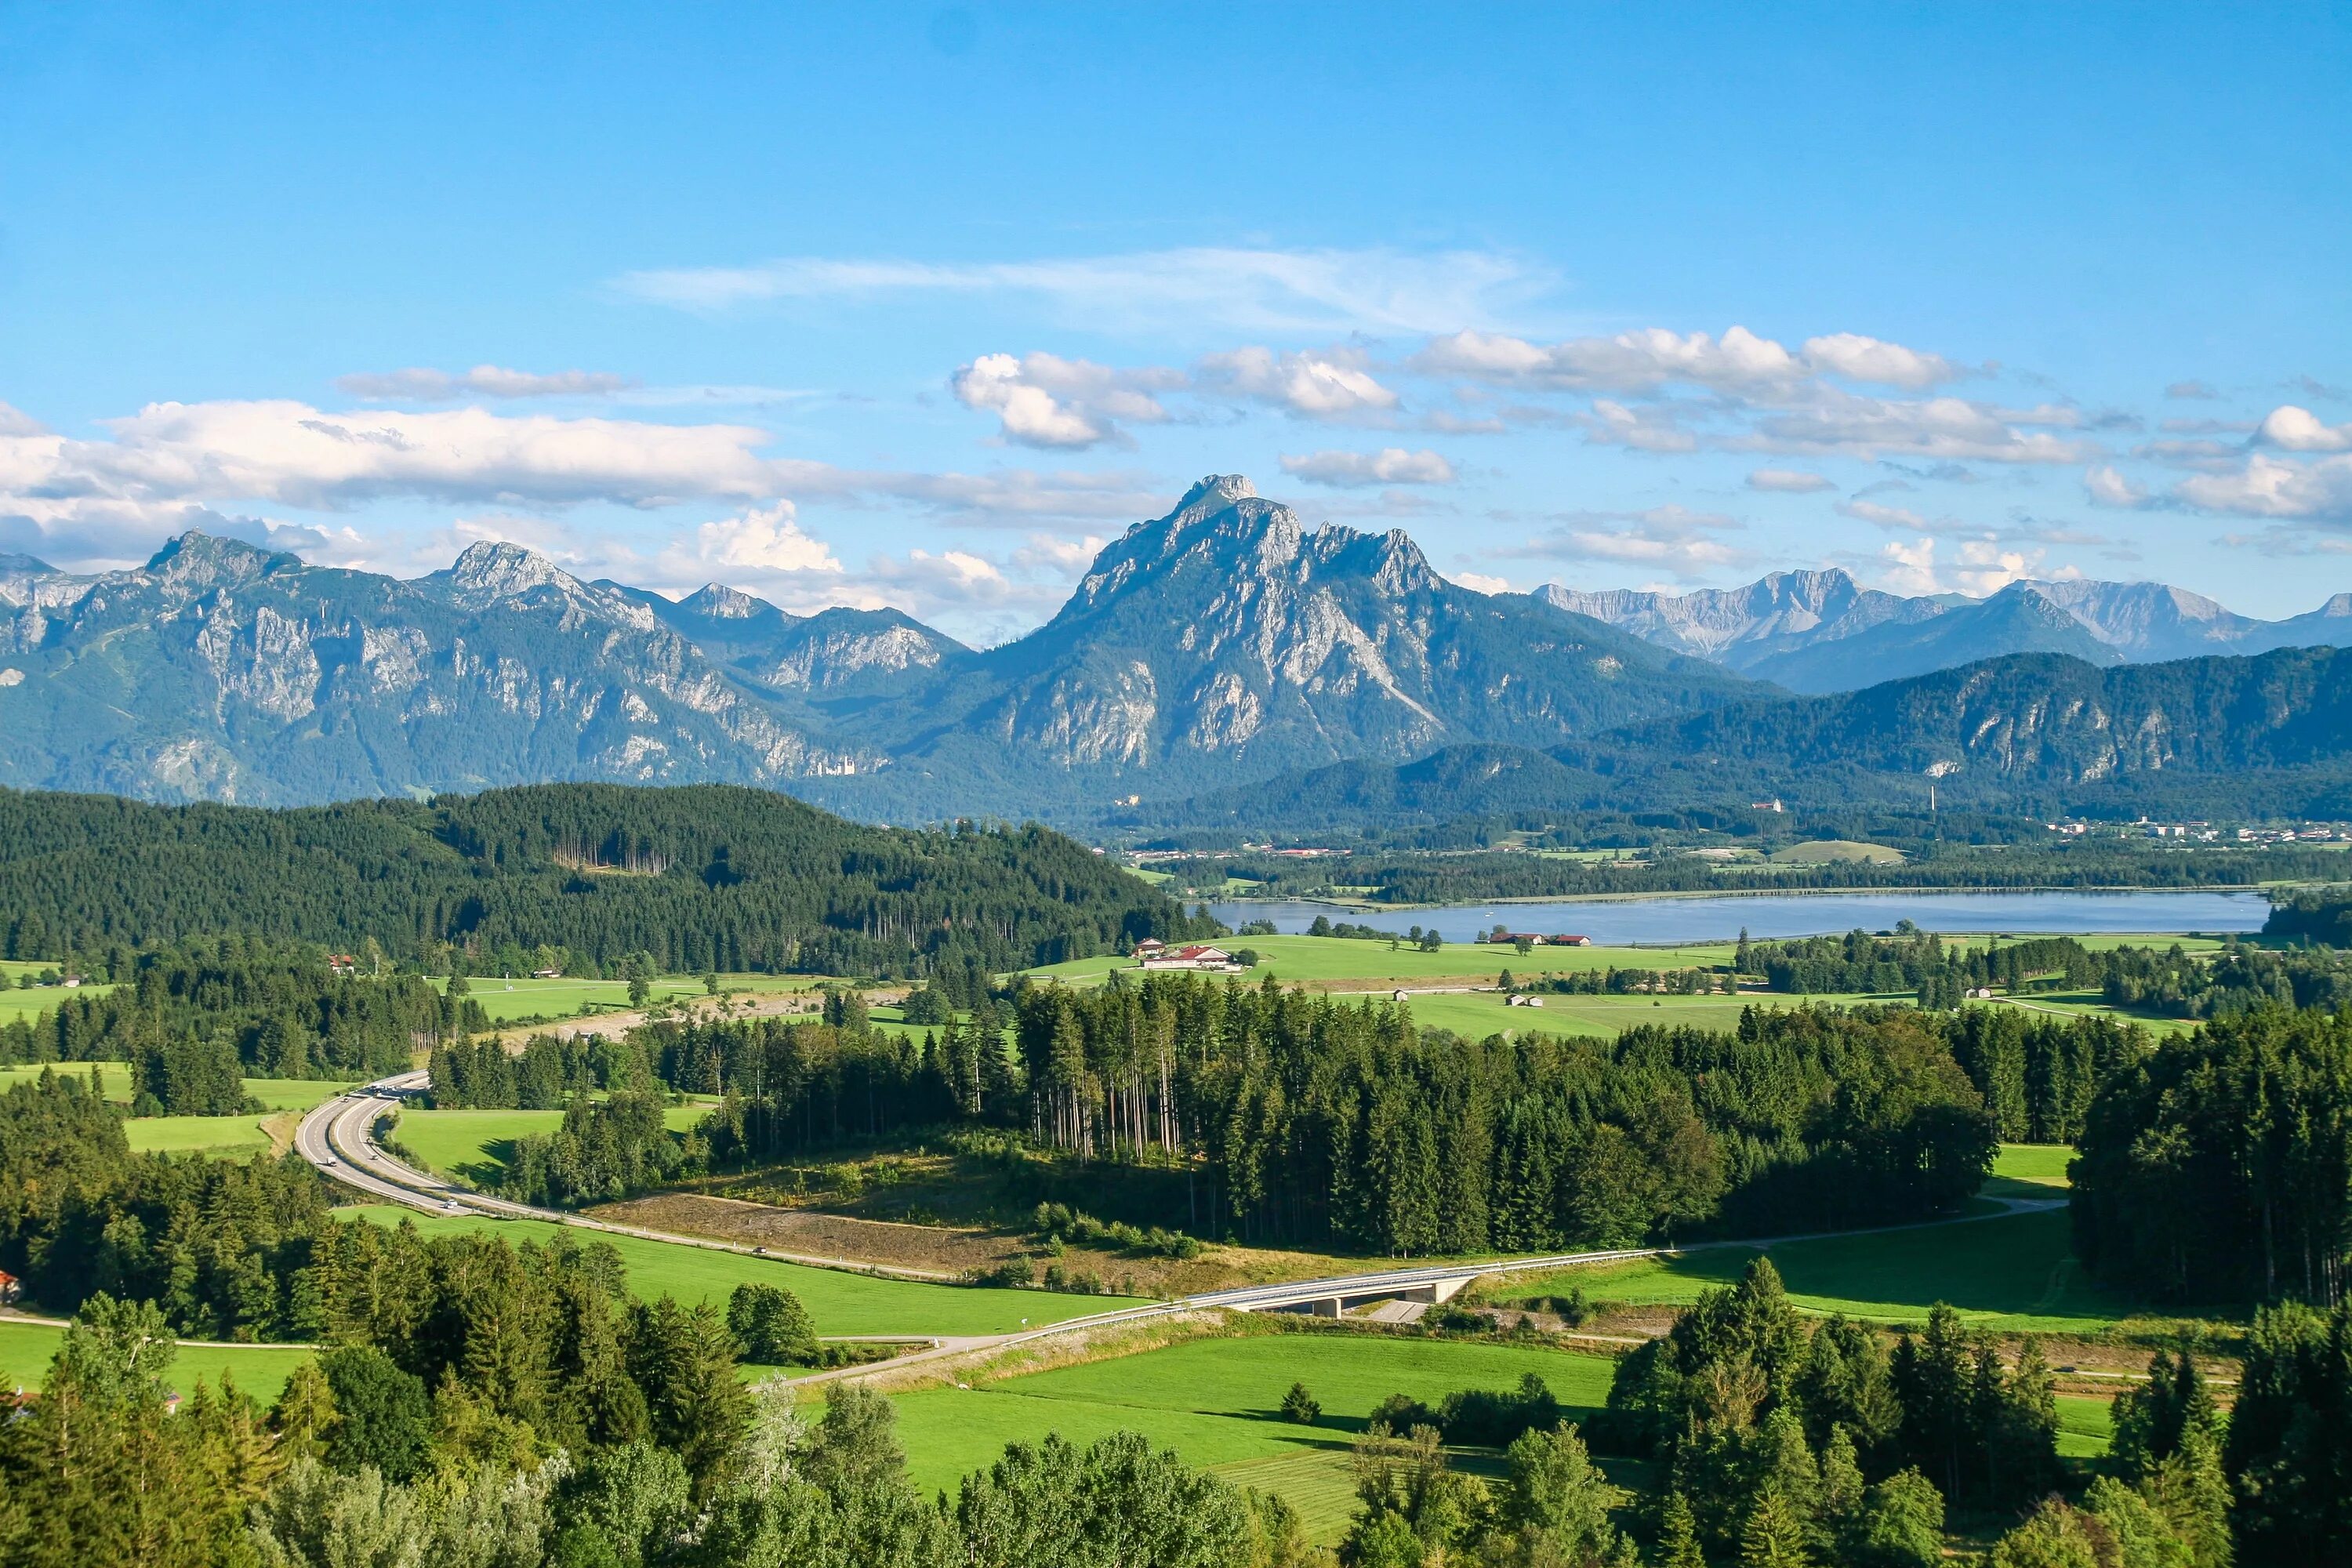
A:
x: 336, y: 1138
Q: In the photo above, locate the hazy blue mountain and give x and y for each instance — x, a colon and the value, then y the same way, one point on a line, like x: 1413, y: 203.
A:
x: 1820, y: 631
x: 2018, y: 619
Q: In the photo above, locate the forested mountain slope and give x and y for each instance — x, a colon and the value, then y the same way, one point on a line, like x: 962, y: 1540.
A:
x: 2030, y: 733
x: 698, y: 878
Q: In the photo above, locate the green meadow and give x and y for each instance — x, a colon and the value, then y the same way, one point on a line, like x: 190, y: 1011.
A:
x: 475, y: 1145
x: 840, y: 1302
x: 1217, y: 1401
x: 259, y: 1370
x: 1308, y: 959
x: 2014, y: 1274
x: 237, y: 1136
x: 506, y: 1001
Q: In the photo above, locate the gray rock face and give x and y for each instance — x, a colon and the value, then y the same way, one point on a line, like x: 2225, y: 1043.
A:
x: 226, y: 672
x: 1227, y: 640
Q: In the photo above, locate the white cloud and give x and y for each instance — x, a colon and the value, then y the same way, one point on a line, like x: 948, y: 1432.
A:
x: 1249, y: 290
x: 1674, y: 539
x: 1328, y: 384
x: 2191, y: 391
x: 484, y: 380
x: 2107, y: 487
x: 1065, y: 558
x: 1875, y: 361
x: 2274, y: 487
x: 1979, y: 566
x: 1648, y: 427
x: 1639, y: 361
x: 1946, y: 427
x: 1389, y: 466
x: 1788, y: 480
x: 1655, y: 357
x: 1043, y: 400
x: 2301, y: 430
x: 764, y: 539
x: 1884, y: 516
x: 293, y: 454
x: 1479, y: 583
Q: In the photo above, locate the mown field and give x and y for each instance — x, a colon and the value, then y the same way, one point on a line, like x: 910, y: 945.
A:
x: 506, y: 1001
x: 475, y: 1145
x: 2014, y: 1274
x: 1217, y: 1402
x: 259, y: 1370
x: 840, y: 1302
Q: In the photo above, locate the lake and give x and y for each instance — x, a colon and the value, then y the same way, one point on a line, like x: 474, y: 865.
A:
x: 1621, y: 921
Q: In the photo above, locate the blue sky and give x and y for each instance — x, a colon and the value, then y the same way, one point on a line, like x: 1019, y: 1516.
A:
x: 917, y: 305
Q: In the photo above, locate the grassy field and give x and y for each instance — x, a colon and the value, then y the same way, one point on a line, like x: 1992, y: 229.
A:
x: 259, y: 1370
x: 1217, y: 1401
x: 841, y: 1302
x: 2091, y: 1003
x: 1308, y: 959
x: 2015, y: 1274
x: 474, y: 1145
x: 2032, y: 1170
x: 506, y: 1001
x: 114, y: 1078
x: 115, y: 1081
x: 1825, y: 851
x: 237, y: 1136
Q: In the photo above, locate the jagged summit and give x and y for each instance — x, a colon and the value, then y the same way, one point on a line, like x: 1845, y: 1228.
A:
x: 497, y: 568
x: 721, y: 603
x: 1822, y: 631
x: 198, y: 560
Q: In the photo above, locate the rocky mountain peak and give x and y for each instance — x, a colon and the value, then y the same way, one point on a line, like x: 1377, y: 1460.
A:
x: 197, y: 560
x: 24, y: 565
x: 721, y: 603
x: 496, y: 569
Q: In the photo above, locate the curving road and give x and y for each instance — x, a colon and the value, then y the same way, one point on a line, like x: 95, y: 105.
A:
x: 336, y: 1138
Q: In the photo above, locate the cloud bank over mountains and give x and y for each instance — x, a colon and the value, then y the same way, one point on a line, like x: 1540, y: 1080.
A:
x: 1387, y: 381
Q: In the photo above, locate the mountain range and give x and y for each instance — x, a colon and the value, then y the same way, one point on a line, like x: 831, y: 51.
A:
x: 1822, y: 631
x: 1205, y: 652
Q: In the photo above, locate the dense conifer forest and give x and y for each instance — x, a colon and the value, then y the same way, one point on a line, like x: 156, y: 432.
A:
x: 1316, y: 1121
x: 699, y: 878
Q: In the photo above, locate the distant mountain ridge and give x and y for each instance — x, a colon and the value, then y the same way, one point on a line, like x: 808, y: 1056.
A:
x: 1822, y: 631
x: 2028, y: 734
x: 1211, y: 649
x: 1223, y: 640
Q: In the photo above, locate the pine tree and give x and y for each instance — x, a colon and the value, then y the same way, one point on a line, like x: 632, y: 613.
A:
x: 1774, y: 1535
x: 1678, y: 1535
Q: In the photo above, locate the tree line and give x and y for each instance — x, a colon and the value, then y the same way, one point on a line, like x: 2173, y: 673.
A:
x: 1280, y: 1116
x: 2218, y: 1167
x: 700, y: 878
x: 194, y: 1017
x: 479, y: 1407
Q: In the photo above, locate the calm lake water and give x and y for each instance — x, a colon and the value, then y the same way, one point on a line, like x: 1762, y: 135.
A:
x: 1616, y: 921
